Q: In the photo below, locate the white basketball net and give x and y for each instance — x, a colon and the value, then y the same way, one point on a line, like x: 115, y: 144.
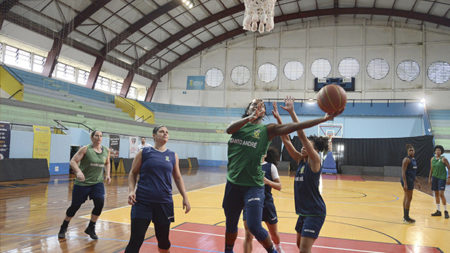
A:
x: 259, y: 11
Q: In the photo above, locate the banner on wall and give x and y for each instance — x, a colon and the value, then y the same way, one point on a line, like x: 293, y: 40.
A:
x: 195, y: 83
x: 114, y: 145
x: 134, y: 148
x: 42, y: 142
x: 5, y: 137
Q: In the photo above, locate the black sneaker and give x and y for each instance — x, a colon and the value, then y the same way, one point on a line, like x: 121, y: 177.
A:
x: 62, y: 233
x: 437, y: 213
x: 446, y: 214
x: 91, y: 232
x: 408, y: 220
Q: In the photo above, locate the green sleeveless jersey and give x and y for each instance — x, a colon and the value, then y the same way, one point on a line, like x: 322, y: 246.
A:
x: 92, y: 166
x: 439, y: 170
x: 246, y: 149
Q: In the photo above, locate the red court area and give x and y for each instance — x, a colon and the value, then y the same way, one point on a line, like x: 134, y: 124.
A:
x: 190, y: 237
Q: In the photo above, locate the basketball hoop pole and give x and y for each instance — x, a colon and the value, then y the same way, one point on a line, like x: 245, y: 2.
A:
x: 259, y: 11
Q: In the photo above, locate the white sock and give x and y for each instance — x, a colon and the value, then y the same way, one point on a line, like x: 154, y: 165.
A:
x: 438, y: 206
x: 445, y: 207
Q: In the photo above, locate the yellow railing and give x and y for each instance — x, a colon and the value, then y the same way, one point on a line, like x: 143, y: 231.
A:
x: 135, y: 109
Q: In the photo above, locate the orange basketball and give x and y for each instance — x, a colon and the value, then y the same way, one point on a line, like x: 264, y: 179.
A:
x: 332, y: 98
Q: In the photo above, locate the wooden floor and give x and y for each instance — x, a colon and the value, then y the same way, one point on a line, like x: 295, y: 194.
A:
x: 360, y: 211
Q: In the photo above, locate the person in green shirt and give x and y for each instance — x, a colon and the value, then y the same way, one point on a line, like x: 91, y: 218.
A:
x: 247, y: 146
x: 438, y: 178
x: 88, y: 165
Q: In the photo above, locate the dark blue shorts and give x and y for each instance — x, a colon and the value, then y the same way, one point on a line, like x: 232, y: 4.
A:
x: 81, y: 193
x: 237, y: 198
x: 309, y: 226
x: 159, y: 213
x: 437, y: 184
x: 269, y: 214
x: 409, y: 182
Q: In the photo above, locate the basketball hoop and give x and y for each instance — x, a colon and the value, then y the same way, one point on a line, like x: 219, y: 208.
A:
x: 258, y: 11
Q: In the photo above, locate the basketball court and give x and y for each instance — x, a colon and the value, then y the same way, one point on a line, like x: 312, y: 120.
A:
x: 363, y: 215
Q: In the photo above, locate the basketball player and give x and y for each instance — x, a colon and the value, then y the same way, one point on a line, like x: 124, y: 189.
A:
x: 152, y: 200
x: 245, y: 179
x: 409, y: 169
x: 309, y: 204
x: 437, y: 178
x: 88, y: 164
x: 269, y: 216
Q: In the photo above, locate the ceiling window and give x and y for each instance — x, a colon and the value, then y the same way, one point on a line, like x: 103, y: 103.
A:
x: 116, y: 87
x: 321, y: 68
x: 240, y: 75
x: 439, y: 72
x: 267, y: 72
x: 132, y: 93
x: 102, y: 84
x: 82, y: 77
x: 378, y: 68
x: 293, y: 70
x: 214, y: 77
x: 348, y: 67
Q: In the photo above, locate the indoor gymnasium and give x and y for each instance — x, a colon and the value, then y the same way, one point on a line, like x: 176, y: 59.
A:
x: 224, y: 126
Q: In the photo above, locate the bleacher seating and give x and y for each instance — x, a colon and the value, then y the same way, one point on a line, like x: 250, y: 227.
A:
x: 440, y: 125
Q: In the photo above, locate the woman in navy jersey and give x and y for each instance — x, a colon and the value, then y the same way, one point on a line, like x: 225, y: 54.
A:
x: 152, y: 200
x: 269, y: 215
x: 309, y: 205
x: 409, y: 168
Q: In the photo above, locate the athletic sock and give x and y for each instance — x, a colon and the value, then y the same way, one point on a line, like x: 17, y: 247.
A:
x: 445, y: 207
x: 91, y: 224
x: 405, y: 213
x: 438, y: 207
x: 65, y: 224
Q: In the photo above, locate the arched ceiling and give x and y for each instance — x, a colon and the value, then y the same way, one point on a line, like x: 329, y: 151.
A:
x: 151, y: 37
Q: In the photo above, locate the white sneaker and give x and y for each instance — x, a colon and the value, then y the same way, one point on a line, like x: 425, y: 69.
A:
x: 278, y: 248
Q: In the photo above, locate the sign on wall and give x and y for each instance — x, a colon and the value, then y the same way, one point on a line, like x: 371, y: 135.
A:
x: 5, y: 137
x: 134, y: 148
x: 195, y: 83
x: 41, y: 142
x: 114, y: 145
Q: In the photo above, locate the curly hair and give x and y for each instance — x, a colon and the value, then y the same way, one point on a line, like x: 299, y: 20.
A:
x: 439, y: 147
x: 248, y: 106
x: 320, y: 142
x: 273, y: 156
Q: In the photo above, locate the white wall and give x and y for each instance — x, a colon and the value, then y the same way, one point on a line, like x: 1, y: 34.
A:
x: 307, y: 43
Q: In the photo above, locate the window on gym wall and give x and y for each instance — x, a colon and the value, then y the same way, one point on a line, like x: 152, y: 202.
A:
x: 65, y: 72
x: 240, y: 75
x: 439, y: 72
x: 293, y: 70
x: 116, y: 87
x: 408, y: 70
x: 132, y: 93
x: 102, y: 84
x: 214, y: 77
x: 267, y: 72
x: 82, y: 77
x: 378, y: 68
x: 321, y: 68
x: 348, y: 67
x: 17, y: 57
x: 38, y: 63
x: 1, y: 53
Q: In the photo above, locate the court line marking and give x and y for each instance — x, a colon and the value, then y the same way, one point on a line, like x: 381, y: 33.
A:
x: 287, y: 243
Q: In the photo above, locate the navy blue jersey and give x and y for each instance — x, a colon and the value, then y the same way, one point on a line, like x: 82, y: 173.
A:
x: 155, y: 176
x: 308, y: 201
x: 412, y: 167
x: 267, y: 169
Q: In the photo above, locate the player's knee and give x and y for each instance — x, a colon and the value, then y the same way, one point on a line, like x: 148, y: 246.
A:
x: 98, y: 206
x: 257, y: 230
x: 72, y: 210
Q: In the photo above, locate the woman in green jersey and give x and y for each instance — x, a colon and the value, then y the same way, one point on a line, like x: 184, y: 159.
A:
x: 438, y: 178
x: 88, y: 165
x: 245, y: 179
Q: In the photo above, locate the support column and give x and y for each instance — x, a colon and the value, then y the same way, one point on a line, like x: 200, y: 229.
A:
x: 151, y: 91
x: 127, y: 84
x: 95, y: 71
x: 52, y: 57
